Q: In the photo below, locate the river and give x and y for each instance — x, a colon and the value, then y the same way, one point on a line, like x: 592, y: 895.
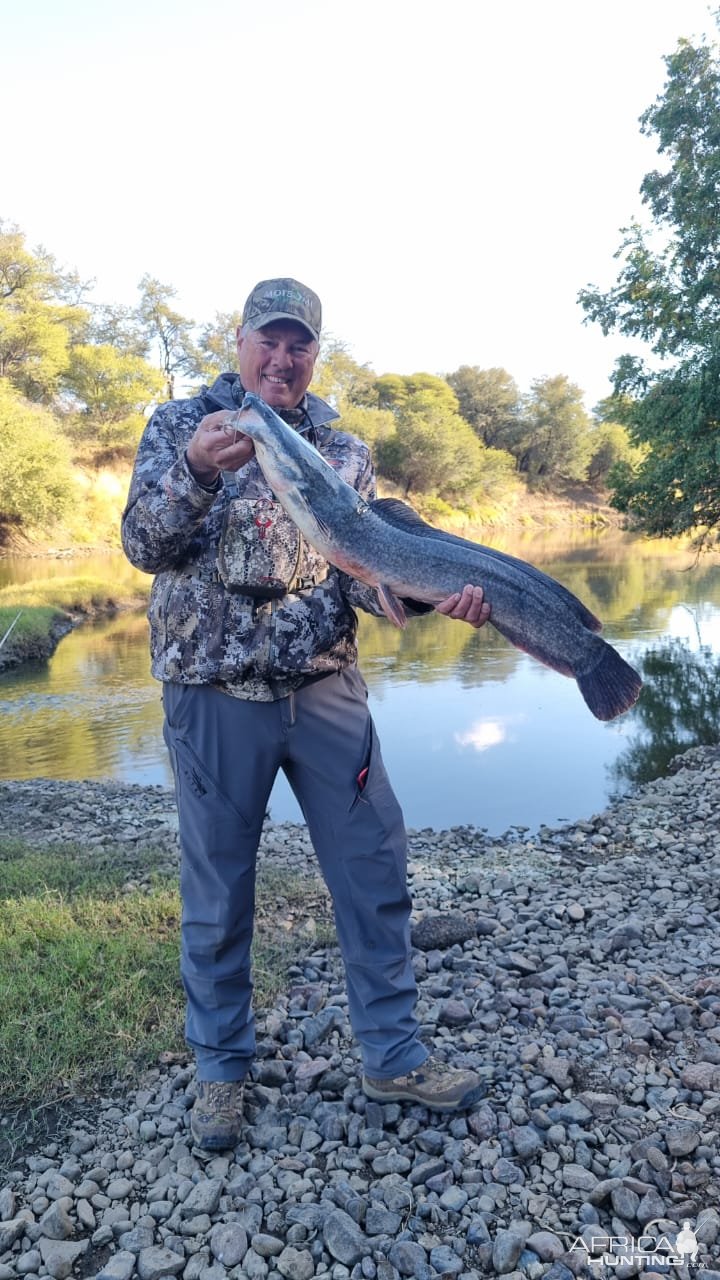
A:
x: 473, y: 731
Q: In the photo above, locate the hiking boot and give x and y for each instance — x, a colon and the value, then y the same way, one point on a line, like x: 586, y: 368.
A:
x: 216, y: 1117
x: 433, y: 1083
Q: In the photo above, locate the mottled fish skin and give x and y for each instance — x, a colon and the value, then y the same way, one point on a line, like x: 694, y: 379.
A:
x: 386, y: 545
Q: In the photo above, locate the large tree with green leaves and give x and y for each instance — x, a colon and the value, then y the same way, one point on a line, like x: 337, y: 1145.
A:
x: 555, y: 440
x: 432, y: 449
x: 40, y: 316
x: 667, y: 293
x: 352, y: 389
x: 490, y: 401
x: 36, y: 479
x: 112, y: 390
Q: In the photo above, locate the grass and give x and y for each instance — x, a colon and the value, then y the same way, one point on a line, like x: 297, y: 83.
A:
x: 89, y: 984
x: 32, y: 625
x: 45, y: 602
x: 81, y: 594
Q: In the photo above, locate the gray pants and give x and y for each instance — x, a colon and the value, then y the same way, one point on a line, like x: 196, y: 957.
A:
x: 225, y: 754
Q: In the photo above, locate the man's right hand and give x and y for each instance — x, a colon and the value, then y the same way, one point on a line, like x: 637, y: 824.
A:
x: 216, y: 447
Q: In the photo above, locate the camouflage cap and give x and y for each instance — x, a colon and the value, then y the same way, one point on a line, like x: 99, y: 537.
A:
x: 283, y: 299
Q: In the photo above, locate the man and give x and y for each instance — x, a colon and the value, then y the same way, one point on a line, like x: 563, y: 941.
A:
x: 253, y: 636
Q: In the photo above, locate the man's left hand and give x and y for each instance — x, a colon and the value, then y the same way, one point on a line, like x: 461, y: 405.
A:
x: 467, y: 605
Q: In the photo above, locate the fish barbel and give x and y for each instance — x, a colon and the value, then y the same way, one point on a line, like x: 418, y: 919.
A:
x: 386, y: 545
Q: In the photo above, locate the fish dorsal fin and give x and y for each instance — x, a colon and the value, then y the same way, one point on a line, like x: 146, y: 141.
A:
x: 398, y: 513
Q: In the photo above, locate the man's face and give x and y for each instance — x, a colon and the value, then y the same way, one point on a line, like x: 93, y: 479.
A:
x: 277, y: 362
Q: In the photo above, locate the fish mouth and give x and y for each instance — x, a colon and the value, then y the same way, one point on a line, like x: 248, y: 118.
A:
x: 255, y: 403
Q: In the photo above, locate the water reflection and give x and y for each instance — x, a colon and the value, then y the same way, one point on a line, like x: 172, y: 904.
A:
x: 93, y: 711
x: 679, y: 707
x: 473, y: 731
x: 484, y: 734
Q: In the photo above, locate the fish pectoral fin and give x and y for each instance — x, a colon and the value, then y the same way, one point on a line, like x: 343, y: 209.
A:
x: 322, y: 527
x: 391, y: 606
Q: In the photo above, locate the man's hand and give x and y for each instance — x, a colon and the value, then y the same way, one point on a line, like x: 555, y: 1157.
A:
x: 217, y: 447
x: 467, y: 605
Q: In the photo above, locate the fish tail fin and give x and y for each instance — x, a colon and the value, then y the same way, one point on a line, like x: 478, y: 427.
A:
x: 613, y: 686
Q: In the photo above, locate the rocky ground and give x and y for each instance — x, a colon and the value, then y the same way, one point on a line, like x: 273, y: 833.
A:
x: 578, y: 971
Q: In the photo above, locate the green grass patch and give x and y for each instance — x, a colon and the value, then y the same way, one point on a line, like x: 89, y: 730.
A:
x: 89, y: 971
x: 33, y: 624
x: 44, y: 603
x: 88, y: 987
x: 69, y: 870
x: 73, y: 593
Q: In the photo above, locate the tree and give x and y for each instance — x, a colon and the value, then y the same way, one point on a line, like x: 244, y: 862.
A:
x: 351, y: 389
x: 674, y: 488
x: 36, y: 481
x: 395, y: 391
x: 490, y: 401
x: 668, y: 294
x: 433, y: 450
x: 39, y: 316
x: 118, y: 326
x: 112, y: 389
x: 422, y: 455
x: 610, y: 447
x: 109, y: 384
x: 217, y: 345
x: 556, y: 432
x: 339, y: 378
x: 169, y: 333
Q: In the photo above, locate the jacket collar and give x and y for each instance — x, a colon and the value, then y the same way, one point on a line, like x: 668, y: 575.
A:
x: 227, y: 393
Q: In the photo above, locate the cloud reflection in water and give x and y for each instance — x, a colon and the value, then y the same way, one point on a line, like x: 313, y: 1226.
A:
x: 487, y: 733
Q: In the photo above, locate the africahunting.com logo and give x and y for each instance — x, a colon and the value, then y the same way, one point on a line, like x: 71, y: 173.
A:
x: 649, y: 1249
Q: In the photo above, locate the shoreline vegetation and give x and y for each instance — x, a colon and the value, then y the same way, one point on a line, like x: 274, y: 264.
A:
x: 49, y: 608
x: 42, y: 612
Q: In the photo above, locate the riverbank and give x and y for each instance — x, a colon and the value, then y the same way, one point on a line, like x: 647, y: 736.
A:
x: 578, y: 970
x: 35, y: 616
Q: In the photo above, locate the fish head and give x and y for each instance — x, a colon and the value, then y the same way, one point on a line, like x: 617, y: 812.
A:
x: 276, y: 444
x: 257, y: 414
x: 256, y: 419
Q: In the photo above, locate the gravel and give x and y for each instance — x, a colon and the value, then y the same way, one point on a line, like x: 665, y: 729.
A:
x: 577, y: 969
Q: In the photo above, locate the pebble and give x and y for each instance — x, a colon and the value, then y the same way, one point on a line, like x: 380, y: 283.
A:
x: 159, y: 1261
x: 296, y: 1264
x: 577, y: 973
x: 60, y: 1256
x: 118, y: 1267
x: 343, y: 1238
x: 56, y: 1222
x: 507, y: 1247
x: 228, y: 1243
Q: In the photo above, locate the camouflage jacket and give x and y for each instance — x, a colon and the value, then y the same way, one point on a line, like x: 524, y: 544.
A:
x: 201, y: 632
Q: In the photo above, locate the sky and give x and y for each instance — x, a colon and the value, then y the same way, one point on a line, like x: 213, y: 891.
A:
x: 446, y: 175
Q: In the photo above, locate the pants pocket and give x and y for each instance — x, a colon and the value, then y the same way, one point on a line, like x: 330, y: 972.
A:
x: 200, y: 798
